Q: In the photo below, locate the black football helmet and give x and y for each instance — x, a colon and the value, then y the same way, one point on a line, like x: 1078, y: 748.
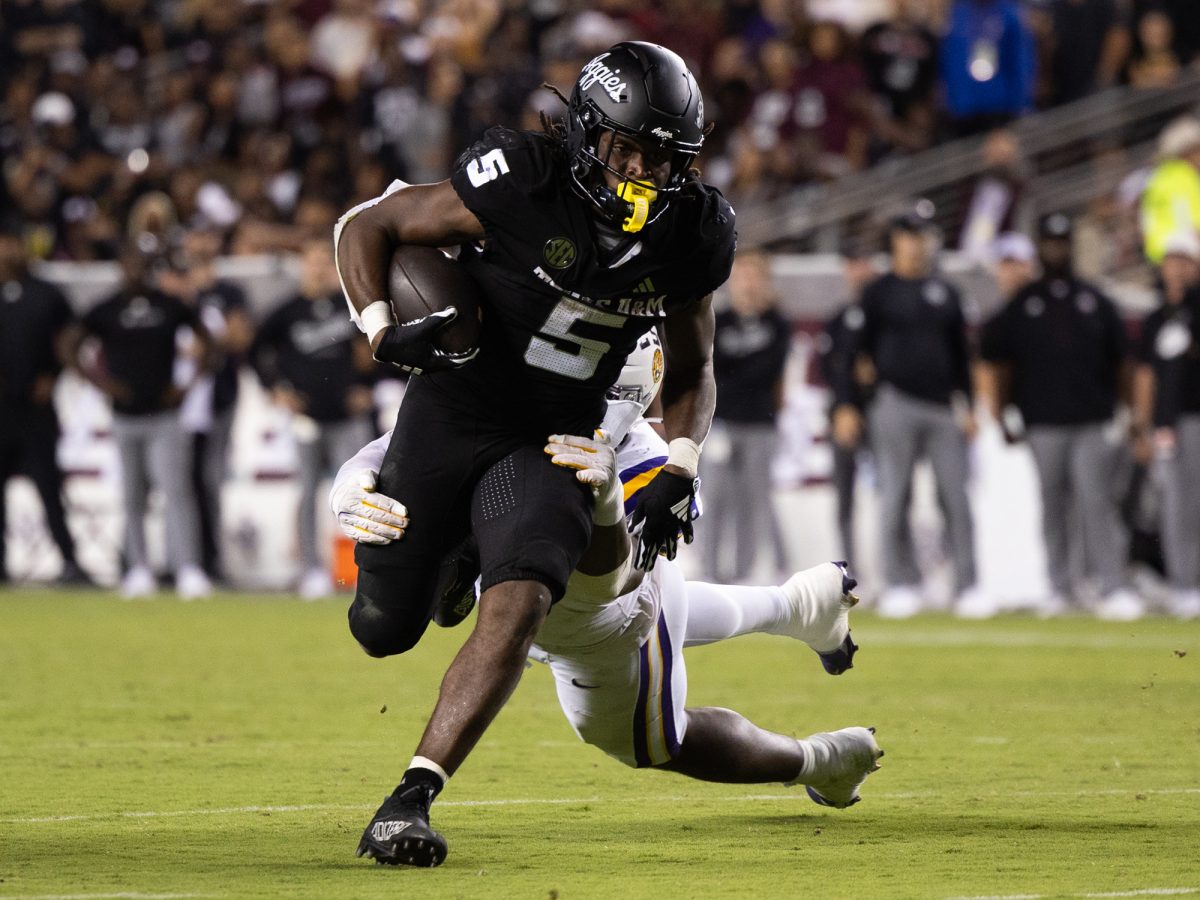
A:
x: 644, y: 91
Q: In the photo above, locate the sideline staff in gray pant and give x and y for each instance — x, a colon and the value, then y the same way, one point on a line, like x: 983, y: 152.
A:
x: 750, y: 351
x: 835, y: 356
x: 1167, y: 416
x: 1058, y: 349
x: 1075, y: 466
x: 309, y: 356
x: 914, y: 334
x: 906, y: 429
x: 155, y: 452
x: 136, y: 328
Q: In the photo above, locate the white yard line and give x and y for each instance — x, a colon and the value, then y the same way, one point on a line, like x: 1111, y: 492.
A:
x: 968, y: 637
x: 123, y: 895
x: 570, y: 801
x: 1136, y: 892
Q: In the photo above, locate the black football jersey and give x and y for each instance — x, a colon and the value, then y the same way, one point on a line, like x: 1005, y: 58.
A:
x: 1170, y: 345
x: 561, y: 313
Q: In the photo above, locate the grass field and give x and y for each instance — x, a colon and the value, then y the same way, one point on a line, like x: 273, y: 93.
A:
x: 237, y: 748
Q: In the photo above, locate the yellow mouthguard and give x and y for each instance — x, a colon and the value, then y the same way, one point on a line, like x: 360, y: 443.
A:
x: 641, y: 197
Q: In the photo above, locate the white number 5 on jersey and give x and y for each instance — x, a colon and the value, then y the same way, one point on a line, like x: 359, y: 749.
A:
x: 487, y: 168
x: 560, y: 349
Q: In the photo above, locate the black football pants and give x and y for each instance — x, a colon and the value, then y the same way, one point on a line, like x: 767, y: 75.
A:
x: 459, y: 470
x: 28, y: 446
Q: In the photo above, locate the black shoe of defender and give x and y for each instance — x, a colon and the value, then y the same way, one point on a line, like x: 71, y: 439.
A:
x: 838, y: 661
x: 455, y: 586
x: 400, y: 835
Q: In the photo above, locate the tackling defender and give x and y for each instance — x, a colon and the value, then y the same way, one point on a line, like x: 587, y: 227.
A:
x: 582, y: 239
x: 614, y: 642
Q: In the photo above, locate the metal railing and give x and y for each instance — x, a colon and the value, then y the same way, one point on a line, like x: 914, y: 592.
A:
x: 1056, y: 144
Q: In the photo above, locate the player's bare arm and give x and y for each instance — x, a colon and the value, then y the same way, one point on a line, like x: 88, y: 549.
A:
x: 689, y: 391
x: 430, y: 215
x: 689, y: 396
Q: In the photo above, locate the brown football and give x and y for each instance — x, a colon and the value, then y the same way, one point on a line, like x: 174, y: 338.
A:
x: 424, y: 280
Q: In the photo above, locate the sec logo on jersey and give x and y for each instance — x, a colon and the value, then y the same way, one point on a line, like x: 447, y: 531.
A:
x: 559, y: 253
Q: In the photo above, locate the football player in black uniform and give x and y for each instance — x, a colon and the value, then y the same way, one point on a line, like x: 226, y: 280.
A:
x: 582, y: 239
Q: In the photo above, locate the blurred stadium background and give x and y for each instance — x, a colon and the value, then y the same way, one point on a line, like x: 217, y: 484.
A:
x: 263, y: 120
x: 234, y: 747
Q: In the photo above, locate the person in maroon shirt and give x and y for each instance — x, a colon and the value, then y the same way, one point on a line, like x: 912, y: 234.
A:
x: 830, y: 103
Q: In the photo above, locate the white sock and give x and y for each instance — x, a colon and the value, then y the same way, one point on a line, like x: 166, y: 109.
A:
x: 810, y: 763
x: 717, y: 612
x: 811, y: 593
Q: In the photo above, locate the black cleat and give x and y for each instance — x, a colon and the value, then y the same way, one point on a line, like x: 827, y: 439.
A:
x: 455, y: 586
x: 838, y: 661
x: 400, y: 835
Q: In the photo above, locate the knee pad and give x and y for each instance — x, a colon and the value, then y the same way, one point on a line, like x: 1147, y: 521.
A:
x: 385, y: 629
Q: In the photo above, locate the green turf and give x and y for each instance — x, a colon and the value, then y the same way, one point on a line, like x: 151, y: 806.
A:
x: 137, y: 740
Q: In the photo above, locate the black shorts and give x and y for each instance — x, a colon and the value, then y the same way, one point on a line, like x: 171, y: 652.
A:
x: 460, y: 469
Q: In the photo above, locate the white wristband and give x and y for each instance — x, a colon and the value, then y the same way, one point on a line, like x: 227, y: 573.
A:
x: 684, y: 453
x: 376, y: 317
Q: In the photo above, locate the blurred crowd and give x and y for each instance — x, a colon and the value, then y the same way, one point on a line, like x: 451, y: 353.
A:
x: 262, y: 118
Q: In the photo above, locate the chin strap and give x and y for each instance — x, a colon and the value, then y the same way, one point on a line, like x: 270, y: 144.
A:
x: 639, y: 197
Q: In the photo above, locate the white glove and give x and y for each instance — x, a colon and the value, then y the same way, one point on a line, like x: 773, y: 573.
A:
x: 595, y: 463
x: 364, y: 515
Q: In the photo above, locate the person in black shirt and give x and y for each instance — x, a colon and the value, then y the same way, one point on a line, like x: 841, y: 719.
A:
x: 307, y: 356
x: 209, y: 406
x: 136, y: 330
x: 1015, y: 268
x: 1166, y: 413
x: 914, y: 334
x: 836, y: 357
x: 1090, y: 42
x: 899, y: 57
x: 582, y: 238
x: 1060, y: 352
x: 34, y: 316
x: 749, y: 354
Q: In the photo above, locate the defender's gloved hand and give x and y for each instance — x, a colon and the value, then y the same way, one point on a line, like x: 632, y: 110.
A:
x: 595, y: 465
x: 410, y: 346
x: 364, y: 515
x: 663, y: 515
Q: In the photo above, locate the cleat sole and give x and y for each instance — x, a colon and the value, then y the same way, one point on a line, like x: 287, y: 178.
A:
x: 415, y: 852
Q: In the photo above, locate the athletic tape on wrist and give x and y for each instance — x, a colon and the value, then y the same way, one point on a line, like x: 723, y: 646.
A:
x: 609, y: 508
x: 421, y: 762
x: 684, y: 453
x: 376, y: 317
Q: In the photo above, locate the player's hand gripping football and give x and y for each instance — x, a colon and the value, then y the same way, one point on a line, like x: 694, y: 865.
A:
x: 364, y: 515
x: 411, y: 345
x: 595, y: 464
x: 663, y: 516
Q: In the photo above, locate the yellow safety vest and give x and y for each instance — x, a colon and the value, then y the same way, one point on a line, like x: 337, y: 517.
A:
x: 1170, y: 204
